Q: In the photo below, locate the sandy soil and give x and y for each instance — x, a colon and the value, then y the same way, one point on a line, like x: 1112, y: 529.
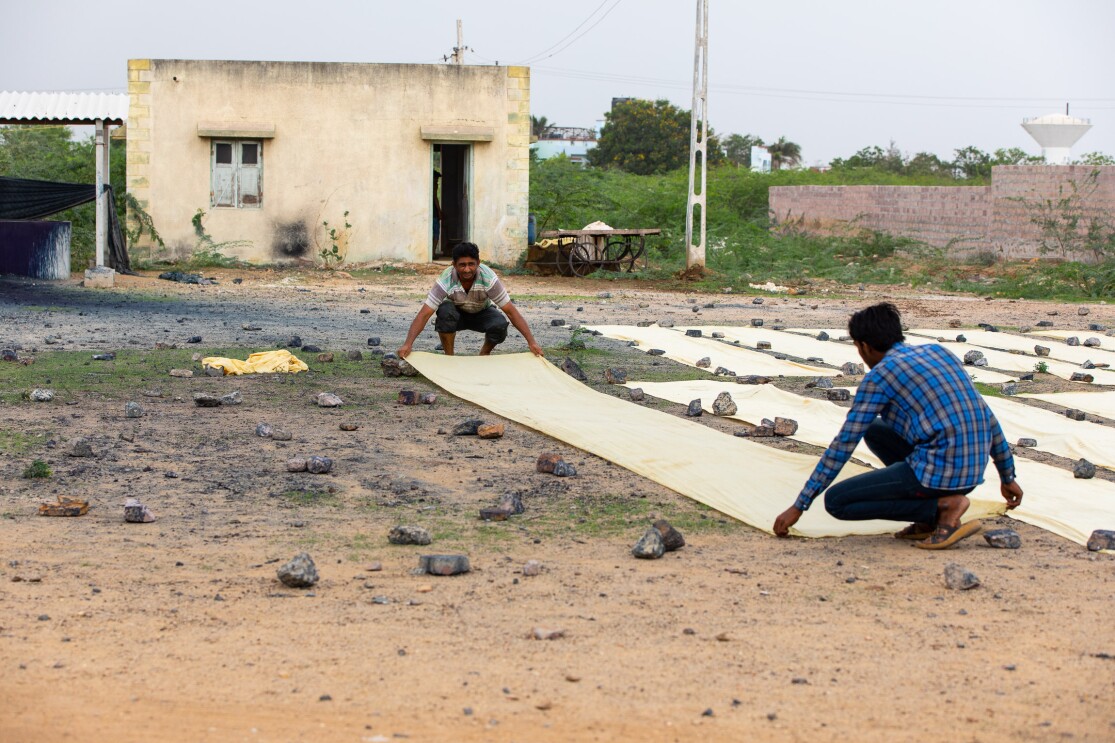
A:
x: 179, y: 631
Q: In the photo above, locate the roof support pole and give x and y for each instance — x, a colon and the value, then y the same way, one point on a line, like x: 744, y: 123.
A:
x: 101, y: 131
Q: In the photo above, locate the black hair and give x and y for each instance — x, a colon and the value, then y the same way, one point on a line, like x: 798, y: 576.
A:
x: 879, y: 326
x: 463, y: 250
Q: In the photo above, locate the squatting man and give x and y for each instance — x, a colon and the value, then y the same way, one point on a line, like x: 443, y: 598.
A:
x: 920, y: 414
x: 465, y: 297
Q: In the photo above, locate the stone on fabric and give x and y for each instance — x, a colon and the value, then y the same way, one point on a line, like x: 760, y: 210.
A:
x: 490, y: 431
x: 762, y: 345
x: 636, y: 394
x: 573, y: 369
x: 1101, y: 539
x: 650, y: 546
x: 1004, y: 539
x: 1081, y: 377
x: 756, y: 322
x: 851, y: 369
x: 722, y: 371
x: 722, y: 405
x: 838, y: 394
x: 960, y: 578
x: 822, y: 336
x: 137, y: 513
x: 1083, y: 470
x: 694, y: 410
x: 468, y: 427
x: 785, y: 426
x: 656, y: 352
x: 1091, y: 342
x: 694, y: 332
x: 972, y: 357
x: 1088, y: 364
x: 444, y: 564
x: 615, y: 376
x: 408, y: 535
x: 1041, y: 350
x: 1027, y: 443
x: 717, y: 334
x: 644, y: 324
x: 961, y: 338
x: 329, y: 400
x: 300, y: 572
x: 704, y: 362
x: 671, y: 537
x: 1076, y: 415
x: 1072, y: 341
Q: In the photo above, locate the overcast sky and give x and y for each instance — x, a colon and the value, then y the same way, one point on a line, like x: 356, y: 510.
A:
x: 832, y: 75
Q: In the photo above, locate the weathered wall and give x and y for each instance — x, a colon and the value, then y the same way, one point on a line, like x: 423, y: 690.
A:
x: 965, y: 219
x: 347, y: 137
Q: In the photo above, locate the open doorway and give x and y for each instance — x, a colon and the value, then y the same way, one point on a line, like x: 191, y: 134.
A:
x: 450, y: 197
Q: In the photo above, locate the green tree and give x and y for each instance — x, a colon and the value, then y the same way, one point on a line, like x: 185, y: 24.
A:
x: 1015, y: 156
x: 644, y: 137
x: 538, y: 126
x: 737, y: 148
x: 926, y: 163
x: 1095, y: 159
x: 784, y: 152
x: 972, y: 163
x: 49, y: 153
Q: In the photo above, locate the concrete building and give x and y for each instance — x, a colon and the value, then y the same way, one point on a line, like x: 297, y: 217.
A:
x: 269, y: 151
x: 572, y: 141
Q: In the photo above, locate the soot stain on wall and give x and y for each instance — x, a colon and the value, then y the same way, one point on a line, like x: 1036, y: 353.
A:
x: 292, y: 240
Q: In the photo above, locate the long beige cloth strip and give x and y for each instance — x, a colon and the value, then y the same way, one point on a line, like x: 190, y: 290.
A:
x: 1054, y: 432
x: 1063, y: 334
x: 742, y: 479
x: 1010, y: 342
x: 1054, y: 500
x: 685, y: 350
x: 1096, y: 403
x: 801, y: 346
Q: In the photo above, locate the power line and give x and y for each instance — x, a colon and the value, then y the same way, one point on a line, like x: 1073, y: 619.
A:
x: 542, y: 54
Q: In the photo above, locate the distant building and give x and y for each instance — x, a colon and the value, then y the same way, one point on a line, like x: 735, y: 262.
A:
x: 572, y: 141
x: 271, y: 150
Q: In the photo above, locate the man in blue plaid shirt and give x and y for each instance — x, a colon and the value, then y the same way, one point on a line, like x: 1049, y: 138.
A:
x: 919, y: 413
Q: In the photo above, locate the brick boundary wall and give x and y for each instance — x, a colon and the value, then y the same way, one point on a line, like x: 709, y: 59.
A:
x: 964, y: 219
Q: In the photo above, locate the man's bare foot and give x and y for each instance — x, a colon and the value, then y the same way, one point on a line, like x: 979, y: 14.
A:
x: 950, y: 509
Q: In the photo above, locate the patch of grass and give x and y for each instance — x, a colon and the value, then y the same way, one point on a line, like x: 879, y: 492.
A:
x: 988, y: 390
x: 37, y: 468
x: 18, y: 442
x: 312, y: 495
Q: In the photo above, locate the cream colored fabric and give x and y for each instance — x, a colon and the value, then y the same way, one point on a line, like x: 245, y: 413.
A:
x: 792, y: 344
x: 1096, y: 403
x: 977, y: 373
x: 1105, y: 340
x: 1009, y: 342
x: 685, y: 350
x: 1054, y: 500
x: 743, y: 479
x: 1054, y: 432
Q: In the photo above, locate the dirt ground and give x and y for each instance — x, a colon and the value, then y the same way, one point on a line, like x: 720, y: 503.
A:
x: 178, y: 630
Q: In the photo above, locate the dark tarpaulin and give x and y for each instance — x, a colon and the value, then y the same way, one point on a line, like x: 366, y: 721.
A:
x: 21, y: 198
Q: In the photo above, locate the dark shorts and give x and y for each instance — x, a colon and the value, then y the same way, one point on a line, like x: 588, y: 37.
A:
x: 491, y: 322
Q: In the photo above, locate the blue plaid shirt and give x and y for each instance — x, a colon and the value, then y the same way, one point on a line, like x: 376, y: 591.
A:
x: 924, y: 394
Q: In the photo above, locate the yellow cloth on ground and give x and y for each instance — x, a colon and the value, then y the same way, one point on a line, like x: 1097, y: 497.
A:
x: 1025, y: 344
x: 1054, y: 500
x: 1054, y: 432
x: 264, y: 362
x: 745, y: 480
x: 1096, y: 403
x: 685, y: 350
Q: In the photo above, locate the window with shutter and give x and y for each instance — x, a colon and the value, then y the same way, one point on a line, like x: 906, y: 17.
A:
x: 237, y: 174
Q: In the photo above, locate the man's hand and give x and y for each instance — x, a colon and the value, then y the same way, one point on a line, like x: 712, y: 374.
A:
x: 1012, y: 494
x: 535, y: 348
x: 404, y: 351
x: 785, y: 520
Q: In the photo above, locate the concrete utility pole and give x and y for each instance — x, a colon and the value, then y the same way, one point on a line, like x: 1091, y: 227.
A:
x: 458, y: 55
x: 695, y: 254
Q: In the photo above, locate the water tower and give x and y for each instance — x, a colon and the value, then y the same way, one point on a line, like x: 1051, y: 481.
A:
x: 1056, y: 133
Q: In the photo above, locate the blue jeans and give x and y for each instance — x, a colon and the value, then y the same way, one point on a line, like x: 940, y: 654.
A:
x: 892, y: 493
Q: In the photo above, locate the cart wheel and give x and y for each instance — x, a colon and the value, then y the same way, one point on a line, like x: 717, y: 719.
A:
x: 637, y: 248
x: 617, y: 251
x: 580, y: 260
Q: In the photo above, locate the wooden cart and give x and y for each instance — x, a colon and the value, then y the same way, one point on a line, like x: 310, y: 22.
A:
x: 580, y: 252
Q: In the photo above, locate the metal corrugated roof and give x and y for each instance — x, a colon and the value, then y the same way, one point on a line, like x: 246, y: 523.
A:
x: 63, y: 108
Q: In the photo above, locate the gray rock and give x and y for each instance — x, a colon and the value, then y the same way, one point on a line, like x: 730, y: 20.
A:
x: 656, y: 352
x: 671, y: 537
x: 181, y: 373
x: 393, y: 366
x: 41, y: 395
x: 532, y: 568
x: 1083, y: 470
x: 264, y: 430
x: 1072, y: 341
x: 973, y: 357
x: 328, y: 400
x: 300, y: 572
x: 821, y: 383
x: 851, y: 369
x: 355, y: 356
x: 615, y: 376
x: 1088, y: 364
x: 1082, y: 311
x: 694, y: 332
x: 1041, y: 350
x: 722, y: 371
x: 294, y: 342
x: 444, y: 564
x: 960, y: 578
x: 1096, y: 327
x: 427, y: 398
x: 986, y: 326
x: 762, y: 345
x: 1027, y: 443
x: 311, y: 348
x: 694, y: 410
x: 407, y: 397
x: 206, y: 400
x: 665, y: 324
x: 822, y: 336
x: 467, y: 428
x: 717, y: 334
x: 961, y: 338
x: 213, y: 371
x: 603, y: 295
x: 1091, y: 342
x: 564, y: 469
x: 757, y: 300
x: 408, y: 535
x: 296, y: 464
x: 636, y: 394
x: 1076, y: 415
x: 1044, y: 323
x: 281, y: 434
x: 722, y: 405
x: 81, y: 448
x: 1101, y: 539
x: 373, y: 341
x: 133, y: 410
x: 838, y: 394
x: 319, y: 465
x: 109, y: 356
x: 1004, y: 539
x: 1081, y: 377
x: 232, y: 398
x: 557, y: 323
x: 752, y: 379
x: 704, y: 363
x: 784, y: 426
x: 756, y: 322
x: 573, y: 369
x: 137, y: 513
x: 1009, y: 388
x: 651, y: 546
x: 512, y: 503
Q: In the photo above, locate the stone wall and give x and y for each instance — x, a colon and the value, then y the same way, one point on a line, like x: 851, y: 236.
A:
x: 963, y: 219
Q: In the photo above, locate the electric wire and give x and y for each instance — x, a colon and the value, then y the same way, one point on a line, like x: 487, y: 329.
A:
x: 543, y: 55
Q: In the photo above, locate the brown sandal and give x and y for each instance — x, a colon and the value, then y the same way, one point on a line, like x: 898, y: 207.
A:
x: 916, y: 531
x: 946, y: 536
